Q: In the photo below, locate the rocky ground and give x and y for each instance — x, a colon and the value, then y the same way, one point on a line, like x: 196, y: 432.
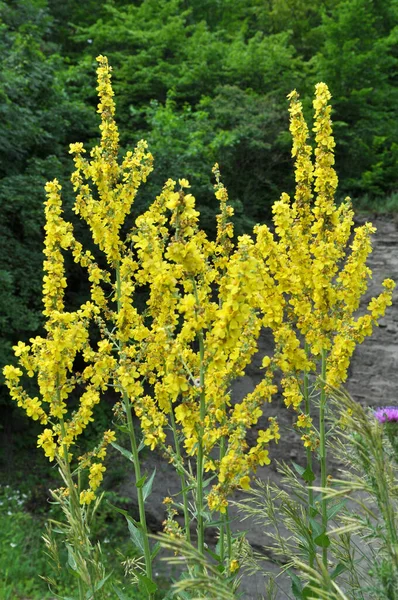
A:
x: 373, y: 380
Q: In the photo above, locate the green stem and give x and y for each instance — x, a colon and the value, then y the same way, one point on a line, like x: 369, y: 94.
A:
x: 140, y: 494
x: 322, y: 452
x: 136, y: 459
x: 199, y: 475
x: 225, y: 530
x: 182, y: 476
x: 202, y: 414
x: 73, y: 499
x: 310, y: 510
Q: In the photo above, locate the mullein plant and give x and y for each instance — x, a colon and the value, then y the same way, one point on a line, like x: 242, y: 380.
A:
x: 319, y: 265
x: 173, y: 363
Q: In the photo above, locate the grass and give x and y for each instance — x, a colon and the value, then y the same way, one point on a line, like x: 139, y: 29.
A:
x: 22, y: 553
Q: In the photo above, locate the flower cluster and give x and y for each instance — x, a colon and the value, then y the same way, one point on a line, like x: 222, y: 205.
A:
x: 206, y: 304
x: 321, y: 276
x: 388, y: 414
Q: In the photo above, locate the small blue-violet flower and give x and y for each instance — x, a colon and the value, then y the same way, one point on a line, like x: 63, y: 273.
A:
x: 387, y: 414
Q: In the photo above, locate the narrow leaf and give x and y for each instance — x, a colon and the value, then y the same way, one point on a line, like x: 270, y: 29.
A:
x: 123, y: 512
x: 119, y: 593
x: 339, y: 568
x: 71, y: 558
x: 155, y: 550
x: 147, y: 489
x: 333, y: 510
x: 136, y: 535
x: 316, y: 528
x: 101, y: 583
x: 140, y: 482
x: 126, y: 453
x: 300, y: 470
x: 297, y: 586
x: 122, y: 428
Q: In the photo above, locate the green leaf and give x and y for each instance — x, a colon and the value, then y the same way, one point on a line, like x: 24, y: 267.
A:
x: 123, y: 451
x: 136, y: 535
x: 333, y: 510
x: 140, y: 482
x: 308, y: 475
x: 207, y: 481
x: 339, y: 568
x: 141, y: 446
x: 214, y: 555
x: 147, y: 489
x: 297, y: 586
x: 119, y: 593
x: 155, y: 550
x: 300, y: 470
x: 146, y: 585
x: 307, y: 592
x: 322, y: 540
x: 71, y: 558
x: 316, y: 528
x: 121, y: 511
x: 98, y: 586
x: 122, y: 428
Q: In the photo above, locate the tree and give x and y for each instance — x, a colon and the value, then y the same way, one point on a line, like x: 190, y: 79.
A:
x: 358, y: 59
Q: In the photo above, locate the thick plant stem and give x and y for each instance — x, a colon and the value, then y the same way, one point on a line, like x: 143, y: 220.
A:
x: 136, y: 458
x: 310, y: 510
x: 182, y: 477
x: 322, y: 452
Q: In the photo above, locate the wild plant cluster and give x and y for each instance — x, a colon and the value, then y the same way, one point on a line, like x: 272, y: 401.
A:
x: 172, y: 361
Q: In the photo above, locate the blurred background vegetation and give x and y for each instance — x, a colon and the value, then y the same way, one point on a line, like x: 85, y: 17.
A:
x: 202, y: 81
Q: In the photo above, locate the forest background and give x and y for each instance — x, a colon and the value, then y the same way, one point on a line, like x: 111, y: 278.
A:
x: 202, y: 81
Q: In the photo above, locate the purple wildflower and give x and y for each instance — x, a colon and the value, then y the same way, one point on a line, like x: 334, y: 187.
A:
x: 387, y: 414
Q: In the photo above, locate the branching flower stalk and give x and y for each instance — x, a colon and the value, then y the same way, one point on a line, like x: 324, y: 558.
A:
x: 202, y: 415
x: 134, y: 449
x: 322, y: 453
x: 310, y: 476
x: 181, y: 474
x: 322, y: 280
x: 207, y: 302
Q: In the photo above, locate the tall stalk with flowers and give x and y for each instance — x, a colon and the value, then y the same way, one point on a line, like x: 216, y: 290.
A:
x: 173, y: 363
x: 319, y: 265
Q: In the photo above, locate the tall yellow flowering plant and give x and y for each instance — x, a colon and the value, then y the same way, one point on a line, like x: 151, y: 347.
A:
x: 206, y: 303
x: 319, y: 264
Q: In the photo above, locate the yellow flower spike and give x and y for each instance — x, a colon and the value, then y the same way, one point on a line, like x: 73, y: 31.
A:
x: 96, y: 475
x: 304, y: 170
x: 208, y: 294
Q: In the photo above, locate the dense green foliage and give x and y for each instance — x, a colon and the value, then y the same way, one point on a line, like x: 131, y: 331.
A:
x: 203, y: 81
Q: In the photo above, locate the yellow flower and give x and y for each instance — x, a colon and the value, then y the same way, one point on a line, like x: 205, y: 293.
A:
x: 244, y: 482
x: 234, y: 565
